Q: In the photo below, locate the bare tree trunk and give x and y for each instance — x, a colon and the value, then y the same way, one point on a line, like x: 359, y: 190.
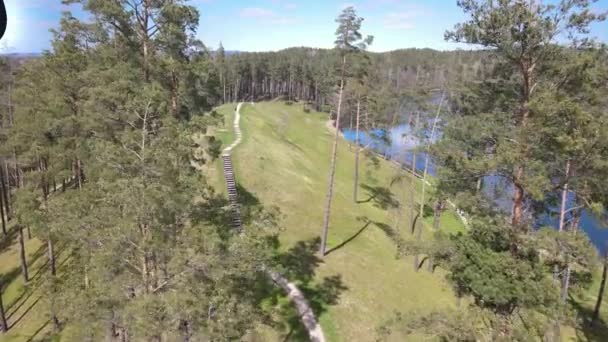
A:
x: 145, y: 52
x: 5, y: 188
x: 357, y: 150
x: 79, y: 173
x: 332, y: 168
x: 18, y: 179
x: 413, y: 184
x: 562, y: 209
x: 186, y: 331
x: 2, y: 216
x: 600, y: 296
x: 51, y: 255
x: 418, y: 239
x: 437, y: 214
x: 29, y: 232
x: 6, y: 175
x: 562, y: 226
x: 426, y: 159
x: 224, y: 86
x: 10, y: 94
x: 54, y: 318
x: 22, y: 256
x: 3, y: 324
x: 174, y: 95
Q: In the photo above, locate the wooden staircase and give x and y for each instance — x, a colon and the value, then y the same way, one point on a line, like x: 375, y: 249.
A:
x: 232, y: 193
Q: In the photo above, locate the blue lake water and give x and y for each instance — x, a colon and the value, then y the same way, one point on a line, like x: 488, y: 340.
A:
x: 397, y: 143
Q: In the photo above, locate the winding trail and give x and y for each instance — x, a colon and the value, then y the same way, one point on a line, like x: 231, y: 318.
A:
x: 237, y: 130
x: 307, y: 315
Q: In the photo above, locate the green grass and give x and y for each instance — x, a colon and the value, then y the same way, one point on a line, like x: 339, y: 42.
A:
x: 27, y: 312
x: 284, y: 161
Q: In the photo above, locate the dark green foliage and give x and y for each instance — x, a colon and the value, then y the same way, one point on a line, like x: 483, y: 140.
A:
x: 534, y: 124
x: 141, y: 245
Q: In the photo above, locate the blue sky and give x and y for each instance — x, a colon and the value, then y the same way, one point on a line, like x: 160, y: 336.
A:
x: 262, y: 25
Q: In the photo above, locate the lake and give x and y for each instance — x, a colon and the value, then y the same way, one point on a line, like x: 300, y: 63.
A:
x: 400, y: 150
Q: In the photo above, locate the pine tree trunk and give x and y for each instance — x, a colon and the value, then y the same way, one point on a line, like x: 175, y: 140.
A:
x: 3, y: 324
x: 518, y: 198
x: 562, y: 209
x: 332, y: 169
x: 224, y: 86
x: 418, y: 240
x: 357, y: 150
x: 426, y: 159
x: 51, y: 255
x: 22, y: 256
x: 5, y: 188
x: 7, y: 181
x: 144, y: 35
x: 600, y: 296
x: 18, y: 179
x: 79, y: 173
x: 174, y: 95
x: 437, y: 214
x: 2, y: 216
x: 413, y: 185
x: 54, y: 318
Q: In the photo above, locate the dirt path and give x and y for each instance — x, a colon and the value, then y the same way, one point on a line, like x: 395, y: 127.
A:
x: 237, y: 130
x: 307, y: 316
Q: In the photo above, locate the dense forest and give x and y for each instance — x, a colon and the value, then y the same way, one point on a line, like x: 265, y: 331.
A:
x: 104, y: 136
x: 308, y: 74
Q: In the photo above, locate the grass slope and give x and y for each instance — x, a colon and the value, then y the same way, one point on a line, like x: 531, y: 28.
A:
x: 284, y: 161
x: 26, y: 309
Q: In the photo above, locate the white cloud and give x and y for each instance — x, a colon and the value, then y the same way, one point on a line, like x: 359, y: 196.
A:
x: 266, y: 15
x: 283, y: 20
x: 345, y: 5
x: 256, y: 12
x: 400, y: 21
x: 290, y: 6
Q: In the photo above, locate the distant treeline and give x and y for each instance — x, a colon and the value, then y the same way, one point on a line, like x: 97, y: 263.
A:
x: 309, y: 74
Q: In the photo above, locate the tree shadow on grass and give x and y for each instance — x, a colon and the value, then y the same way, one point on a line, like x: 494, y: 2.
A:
x: 6, y: 241
x: 8, y: 277
x: 33, y: 336
x: 298, y: 264
x: 29, y: 308
x: 593, y: 331
x: 216, y: 211
x: 352, y: 237
x: 41, y: 251
x: 391, y: 233
x: 382, y: 197
x: 18, y: 303
x: 246, y: 198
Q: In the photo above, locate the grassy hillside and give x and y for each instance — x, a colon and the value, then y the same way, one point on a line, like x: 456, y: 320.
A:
x: 26, y: 309
x: 283, y: 161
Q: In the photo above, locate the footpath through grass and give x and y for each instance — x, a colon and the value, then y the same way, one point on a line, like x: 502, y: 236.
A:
x: 283, y: 161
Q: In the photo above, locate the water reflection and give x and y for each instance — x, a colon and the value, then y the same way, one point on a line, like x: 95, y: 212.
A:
x: 398, y: 142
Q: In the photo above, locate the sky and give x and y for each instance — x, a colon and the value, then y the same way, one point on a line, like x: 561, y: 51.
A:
x: 270, y: 25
